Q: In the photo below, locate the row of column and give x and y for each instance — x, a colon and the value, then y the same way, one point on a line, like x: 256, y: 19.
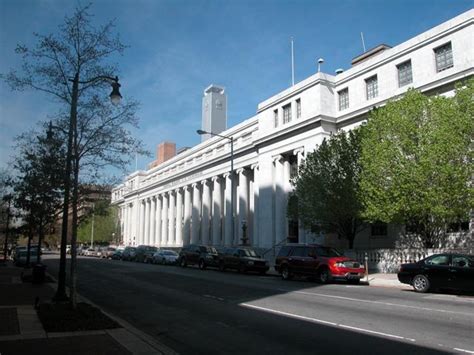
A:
x: 197, y: 213
x: 200, y: 212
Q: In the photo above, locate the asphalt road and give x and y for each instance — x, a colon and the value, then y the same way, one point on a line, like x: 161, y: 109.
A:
x: 209, y: 312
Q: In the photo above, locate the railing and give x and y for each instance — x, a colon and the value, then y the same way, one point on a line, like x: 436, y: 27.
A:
x: 389, y: 260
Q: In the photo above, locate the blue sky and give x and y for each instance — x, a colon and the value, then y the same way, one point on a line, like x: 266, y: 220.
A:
x: 177, y: 48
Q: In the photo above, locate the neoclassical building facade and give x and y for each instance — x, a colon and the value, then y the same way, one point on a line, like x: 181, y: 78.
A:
x: 187, y: 199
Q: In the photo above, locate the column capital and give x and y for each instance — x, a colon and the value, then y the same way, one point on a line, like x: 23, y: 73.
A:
x: 178, y: 190
x: 299, y: 151
x: 205, y: 182
x: 277, y: 157
x: 242, y: 171
x: 254, y: 166
x: 195, y: 184
x: 216, y: 178
x: 226, y: 175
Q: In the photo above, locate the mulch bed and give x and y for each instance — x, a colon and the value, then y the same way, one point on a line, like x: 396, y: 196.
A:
x: 60, y: 317
x: 9, y: 324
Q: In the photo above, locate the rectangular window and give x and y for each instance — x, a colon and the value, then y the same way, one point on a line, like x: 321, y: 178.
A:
x: 298, y: 108
x: 378, y: 229
x: 286, y: 113
x: 444, y: 57
x: 275, y: 118
x: 372, y: 87
x: 343, y: 99
x: 404, y: 74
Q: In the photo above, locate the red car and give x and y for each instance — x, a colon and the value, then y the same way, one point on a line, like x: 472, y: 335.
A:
x: 313, y: 260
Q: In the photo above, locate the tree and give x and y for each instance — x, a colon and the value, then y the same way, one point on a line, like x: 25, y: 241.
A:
x: 38, y: 184
x: 104, y: 221
x: 6, y: 210
x: 416, y: 159
x: 326, y: 187
x: 73, y: 66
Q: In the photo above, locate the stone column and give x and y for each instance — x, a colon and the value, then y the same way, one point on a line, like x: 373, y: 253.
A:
x: 206, y: 211
x: 216, y: 211
x: 188, y: 207
x: 280, y: 208
x: 146, y: 235
x: 228, y: 217
x: 151, y: 240
x: 141, y: 233
x: 158, y: 221
x: 179, y: 218
x: 164, y: 220
x: 171, y: 220
x: 129, y: 223
x: 300, y: 160
x: 196, y: 214
x: 255, y: 193
x: 243, y: 203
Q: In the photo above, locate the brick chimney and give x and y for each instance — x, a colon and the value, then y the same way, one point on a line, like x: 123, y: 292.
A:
x: 164, y: 151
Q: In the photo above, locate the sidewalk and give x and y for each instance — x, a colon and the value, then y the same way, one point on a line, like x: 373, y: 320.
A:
x: 376, y: 280
x: 21, y: 331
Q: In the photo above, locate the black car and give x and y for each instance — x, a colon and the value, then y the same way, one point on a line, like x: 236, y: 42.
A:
x: 128, y: 253
x: 144, y: 253
x: 440, y: 271
x: 200, y: 255
x: 242, y: 260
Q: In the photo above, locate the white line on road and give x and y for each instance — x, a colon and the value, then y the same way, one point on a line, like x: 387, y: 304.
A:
x: 315, y: 320
x: 377, y: 302
x: 213, y: 297
x: 464, y: 351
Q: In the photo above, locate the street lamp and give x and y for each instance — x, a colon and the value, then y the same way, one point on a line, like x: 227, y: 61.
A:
x: 231, y: 139
x: 115, y: 98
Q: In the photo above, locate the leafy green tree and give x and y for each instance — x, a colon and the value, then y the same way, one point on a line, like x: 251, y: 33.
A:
x: 326, y: 188
x: 105, y: 221
x: 38, y: 184
x: 416, y: 160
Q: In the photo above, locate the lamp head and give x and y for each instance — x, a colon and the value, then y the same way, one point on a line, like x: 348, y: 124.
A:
x: 200, y: 132
x: 115, y: 96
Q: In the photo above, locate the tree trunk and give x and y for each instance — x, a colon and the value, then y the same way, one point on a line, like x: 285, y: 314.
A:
x: 40, y: 239
x: 28, y: 249
x: 75, y: 200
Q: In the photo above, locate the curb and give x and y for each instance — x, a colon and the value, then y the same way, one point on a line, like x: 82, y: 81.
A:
x: 135, y: 341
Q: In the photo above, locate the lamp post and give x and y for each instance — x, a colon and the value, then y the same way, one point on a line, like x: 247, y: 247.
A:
x: 231, y: 139
x: 115, y: 97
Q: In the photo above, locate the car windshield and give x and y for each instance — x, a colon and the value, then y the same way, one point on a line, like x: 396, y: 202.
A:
x: 248, y: 252
x: 327, y: 252
x: 152, y: 249
x: 169, y: 252
x: 211, y: 250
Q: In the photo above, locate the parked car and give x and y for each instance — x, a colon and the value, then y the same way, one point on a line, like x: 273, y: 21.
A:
x: 128, y: 253
x: 22, y: 255
x: 165, y: 257
x: 200, y: 255
x: 242, y: 259
x: 440, y: 271
x: 117, y: 255
x: 313, y: 260
x: 107, y: 252
x: 90, y: 252
x: 144, y: 253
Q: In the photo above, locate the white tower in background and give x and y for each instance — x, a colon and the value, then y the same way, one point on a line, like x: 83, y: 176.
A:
x: 214, y: 111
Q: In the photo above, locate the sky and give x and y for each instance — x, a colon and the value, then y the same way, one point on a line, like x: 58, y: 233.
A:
x: 177, y: 48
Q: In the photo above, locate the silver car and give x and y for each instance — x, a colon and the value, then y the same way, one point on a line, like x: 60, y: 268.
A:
x: 165, y: 257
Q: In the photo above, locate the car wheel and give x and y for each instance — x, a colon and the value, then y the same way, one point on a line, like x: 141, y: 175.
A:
x: 323, y: 276
x: 421, y: 283
x: 242, y: 269
x: 202, y: 264
x: 163, y: 261
x: 221, y: 267
x: 263, y: 272
x: 354, y: 281
x: 182, y: 262
x: 285, y: 273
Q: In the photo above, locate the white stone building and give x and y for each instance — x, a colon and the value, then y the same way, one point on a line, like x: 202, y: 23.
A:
x: 187, y: 198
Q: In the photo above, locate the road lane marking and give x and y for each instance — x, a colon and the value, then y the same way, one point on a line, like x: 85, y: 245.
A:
x: 376, y: 302
x: 288, y: 314
x: 464, y: 351
x: 213, y: 297
x: 316, y: 320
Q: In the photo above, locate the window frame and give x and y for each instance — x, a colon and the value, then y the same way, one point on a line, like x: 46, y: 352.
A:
x: 372, y: 91
x: 287, y: 113
x: 275, y: 118
x: 298, y: 108
x: 399, y: 72
x: 436, y: 56
x: 343, y: 98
